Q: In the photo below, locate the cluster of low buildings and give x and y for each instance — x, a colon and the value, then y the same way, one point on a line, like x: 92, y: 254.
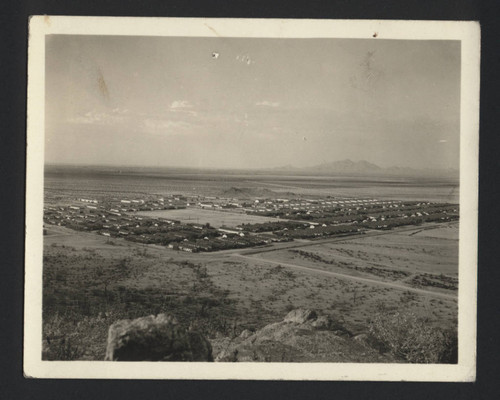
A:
x: 295, y: 218
x: 316, y: 205
x: 353, y: 217
x: 118, y: 223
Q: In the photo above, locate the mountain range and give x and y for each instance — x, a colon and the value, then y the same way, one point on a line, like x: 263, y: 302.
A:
x: 362, y: 167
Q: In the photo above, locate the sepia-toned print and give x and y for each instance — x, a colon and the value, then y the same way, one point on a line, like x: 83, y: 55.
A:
x: 205, y: 194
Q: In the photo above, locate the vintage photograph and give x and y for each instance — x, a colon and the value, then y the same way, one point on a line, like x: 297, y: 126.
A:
x: 283, y: 196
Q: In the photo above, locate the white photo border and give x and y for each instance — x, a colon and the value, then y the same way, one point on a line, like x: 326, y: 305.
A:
x: 468, y: 33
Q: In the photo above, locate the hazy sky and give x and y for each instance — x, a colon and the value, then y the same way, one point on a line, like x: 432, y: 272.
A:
x: 244, y: 103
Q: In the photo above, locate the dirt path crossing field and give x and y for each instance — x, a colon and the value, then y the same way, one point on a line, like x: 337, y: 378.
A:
x: 353, y: 278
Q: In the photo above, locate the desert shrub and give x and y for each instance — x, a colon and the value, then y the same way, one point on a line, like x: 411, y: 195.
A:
x: 272, y: 297
x: 412, y: 338
x: 289, y: 274
x: 59, y: 343
x: 64, y: 350
x: 70, y: 336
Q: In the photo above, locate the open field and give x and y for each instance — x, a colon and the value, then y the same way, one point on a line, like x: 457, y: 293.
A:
x: 394, y: 257
x: 413, y: 254
x: 214, y: 218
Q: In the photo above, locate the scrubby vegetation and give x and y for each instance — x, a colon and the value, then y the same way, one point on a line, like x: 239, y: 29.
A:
x: 412, y: 338
x: 392, y: 274
x: 76, y: 317
x: 440, y: 281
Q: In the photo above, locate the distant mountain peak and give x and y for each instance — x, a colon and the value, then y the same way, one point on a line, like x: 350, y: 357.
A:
x: 365, y: 168
x: 346, y: 166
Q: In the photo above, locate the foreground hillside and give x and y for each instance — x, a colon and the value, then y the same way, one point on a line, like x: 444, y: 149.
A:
x: 238, y: 304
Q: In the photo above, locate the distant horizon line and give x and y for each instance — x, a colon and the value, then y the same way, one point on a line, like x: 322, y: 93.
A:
x: 247, y: 168
x: 281, y: 168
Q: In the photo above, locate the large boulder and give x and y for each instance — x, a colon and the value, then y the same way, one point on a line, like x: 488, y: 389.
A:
x: 158, y: 338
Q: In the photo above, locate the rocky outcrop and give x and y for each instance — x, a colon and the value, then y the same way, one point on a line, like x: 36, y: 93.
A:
x: 302, y: 336
x: 157, y: 338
